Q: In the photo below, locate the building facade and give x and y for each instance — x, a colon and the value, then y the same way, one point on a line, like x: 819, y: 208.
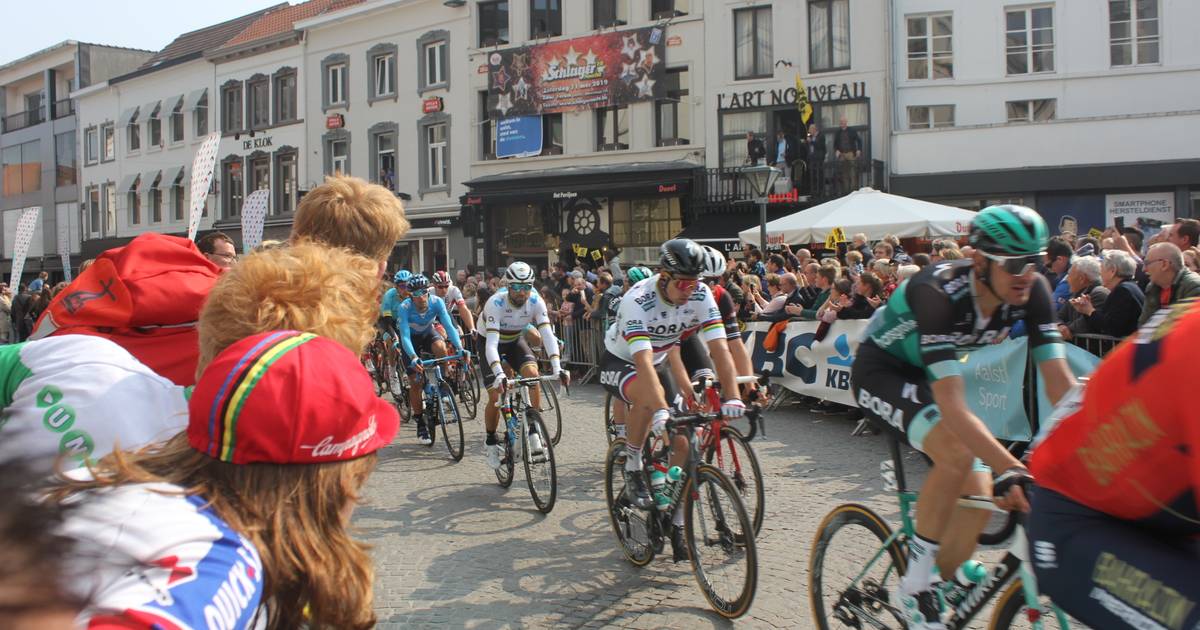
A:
x: 1086, y: 111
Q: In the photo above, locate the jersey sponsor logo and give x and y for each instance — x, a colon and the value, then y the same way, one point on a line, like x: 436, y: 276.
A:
x: 895, y: 334
x: 1045, y: 556
x: 666, y: 330
x: 236, y: 594
x: 881, y: 408
x: 910, y: 393
x: 1115, y: 444
x: 956, y: 285
x: 612, y: 378
x: 648, y: 301
x: 967, y: 339
x: 59, y: 417
x: 1142, y: 591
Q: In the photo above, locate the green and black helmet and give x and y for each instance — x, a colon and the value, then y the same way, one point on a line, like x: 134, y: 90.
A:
x: 1009, y: 230
x: 637, y: 274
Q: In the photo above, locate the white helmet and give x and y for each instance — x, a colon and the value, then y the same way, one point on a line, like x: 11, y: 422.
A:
x: 519, y: 272
x: 714, y: 263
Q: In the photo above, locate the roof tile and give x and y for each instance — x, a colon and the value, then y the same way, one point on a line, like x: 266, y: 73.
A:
x: 282, y: 20
x: 208, y: 37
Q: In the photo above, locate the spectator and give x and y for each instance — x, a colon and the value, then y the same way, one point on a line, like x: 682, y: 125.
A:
x: 904, y: 272
x: 5, y: 313
x: 218, y: 248
x: 808, y: 285
x: 1118, y: 316
x: 864, y: 299
x: 786, y: 151
x: 1087, y: 246
x: 349, y: 212
x: 899, y: 255
x: 605, y: 294
x: 826, y: 276
x: 862, y: 247
x: 1134, y: 236
x: 952, y: 253
x: 751, y: 285
x: 939, y: 248
x: 1191, y: 259
x: 921, y: 260
x: 854, y: 263
x: 848, y: 147
x: 883, y: 250
x: 1170, y: 280
x: 1057, y: 261
x: 801, y: 258
x: 816, y: 160
x: 22, y: 324
x: 775, y: 264
x: 756, y: 151
x: 1083, y: 279
x: 39, y: 282
x: 773, y: 301
x: 885, y: 270
x: 1184, y: 234
x: 754, y: 258
x: 830, y: 311
x: 793, y: 299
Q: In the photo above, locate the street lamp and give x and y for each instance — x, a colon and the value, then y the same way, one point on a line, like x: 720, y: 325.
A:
x: 761, y: 179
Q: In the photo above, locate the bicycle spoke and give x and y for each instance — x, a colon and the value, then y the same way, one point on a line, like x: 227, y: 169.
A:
x: 716, y: 520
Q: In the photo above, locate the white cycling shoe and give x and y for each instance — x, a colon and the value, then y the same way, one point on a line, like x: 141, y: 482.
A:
x: 919, y: 611
x: 493, y: 452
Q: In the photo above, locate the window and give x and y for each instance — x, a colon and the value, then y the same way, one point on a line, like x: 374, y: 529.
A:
x: 435, y: 147
x: 64, y: 159
x: 232, y: 186
x: 930, y: 116
x: 609, y: 13
x: 673, y: 115
x: 336, y: 80
x: 154, y: 126
x: 493, y: 23
x: 285, y: 96
x: 385, y: 75
x: 644, y: 222
x: 383, y: 158
x: 33, y: 106
x: 22, y: 167
x: 435, y: 63
x: 258, y: 101
x: 487, y: 129
x: 231, y: 107
x: 177, y: 122
x: 108, y: 195
x: 178, y: 198
x: 545, y: 18
x: 108, y: 142
x: 338, y: 156
x: 135, y: 203
x: 1133, y: 32
x: 552, y: 134
x: 285, y: 181
x: 134, y: 130
x: 201, y: 115
x: 260, y: 173
x: 156, y: 200
x: 752, y: 57
x: 930, y: 46
x: 1032, y: 111
x: 94, y: 214
x: 91, y: 145
x: 612, y: 128
x: 660, y: 9
x: 734, y: 127
x: 828, y: 35
x: 1029, y: 41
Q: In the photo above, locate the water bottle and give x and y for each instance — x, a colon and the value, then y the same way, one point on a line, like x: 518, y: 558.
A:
x: 535, y: 443
x: 674, y: 484
x: 658, y: 484
x: 965, y: 578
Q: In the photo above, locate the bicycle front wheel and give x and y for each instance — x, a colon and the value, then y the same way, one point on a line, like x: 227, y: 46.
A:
x: 540, y: 471
x: 720, y: 542
x: 451, y: 421
x: 465, y: 387
x: 735, y: 457
x: 851, y: 573
x: 610, y: 428
x: 634, y: 527
x: 504, y: 474
x: 550, y: 409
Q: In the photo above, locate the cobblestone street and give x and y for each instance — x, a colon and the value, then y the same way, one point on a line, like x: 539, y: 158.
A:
x: 453, y: 549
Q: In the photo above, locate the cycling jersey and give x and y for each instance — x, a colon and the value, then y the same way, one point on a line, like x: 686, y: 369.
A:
x: 647, y: 321
x: 728, y: 315
x: 504, y: 324
x: 391, y: 303
x: 412, y: 323
x: 454, y: 296
x: 932, y: 316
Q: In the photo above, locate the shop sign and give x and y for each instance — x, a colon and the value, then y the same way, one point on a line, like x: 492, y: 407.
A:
x: 663, y: 188
x: 602, y: 70
x: 563, y: 194
x: 335, y: 121
x: 788, y: 197
x: 1147, y: 212
x: 261, y: 142
x: 431, y: 105
x: 817, y: 93
x: 446, y: 222
x: 674, y: 41
x: 519, y: 136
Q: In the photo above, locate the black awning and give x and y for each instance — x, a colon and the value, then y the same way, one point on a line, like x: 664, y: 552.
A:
x: 632, y: 180
x: 724, y: 226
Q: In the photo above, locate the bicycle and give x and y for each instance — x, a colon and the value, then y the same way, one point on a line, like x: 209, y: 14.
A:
x: 521, y: 419
x: 642, y: 532
x: 864, y: 602
x: 437, y: 392
x: 731, y: 450
x: 464, y: 380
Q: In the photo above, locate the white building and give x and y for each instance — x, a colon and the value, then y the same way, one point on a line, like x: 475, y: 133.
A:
x: 1074, y: 107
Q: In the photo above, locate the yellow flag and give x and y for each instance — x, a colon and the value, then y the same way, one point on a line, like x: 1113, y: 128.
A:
x: 839, y: 235
x: 597, y: 254
x: 802, y: 103
x: 1095, y: 233
x: 831, y: 240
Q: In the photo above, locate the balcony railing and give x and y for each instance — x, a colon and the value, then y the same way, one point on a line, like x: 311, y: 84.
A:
x: 21, y: 120
x: 835, y: 179
x: 64, y: 108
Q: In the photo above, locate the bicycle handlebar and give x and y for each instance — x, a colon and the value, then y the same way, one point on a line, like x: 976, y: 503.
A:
x: 449, y: 357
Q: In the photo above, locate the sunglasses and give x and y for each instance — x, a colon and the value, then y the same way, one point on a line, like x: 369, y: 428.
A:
x: 520, y: 287
x: 1016, y: 265
x: 420, y: 293
x: 684, y: 284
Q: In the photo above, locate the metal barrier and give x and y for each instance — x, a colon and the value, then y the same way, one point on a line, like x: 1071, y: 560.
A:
x: 1098, y: 345
x: 581, y: 344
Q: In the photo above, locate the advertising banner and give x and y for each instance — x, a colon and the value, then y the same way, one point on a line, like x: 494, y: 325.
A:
x: 993, y: 380
x: 202, y: 174
x: 254, y: 216
x: 1147, y: 212
x: 519, y: 136
x: 64, y: 245
x: 601, y: 70
x: 25, y: 227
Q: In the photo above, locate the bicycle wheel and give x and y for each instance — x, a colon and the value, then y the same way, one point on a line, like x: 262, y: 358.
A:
x: 838, y: 601
x: 452, y: 429
x: 736, y: 458
x: 610, y: 429
x: 468, y: 393
x: 550, y: 403
x: 540, y: 471
x: 504, y: 474
x: 1011, y: 611
x: 723, y: 553
x: 632, y: 526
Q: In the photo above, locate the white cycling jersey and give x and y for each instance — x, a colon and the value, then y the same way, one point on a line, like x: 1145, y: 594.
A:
x: 501, y: 322
x: 647, y: 321
x: 454, y: 297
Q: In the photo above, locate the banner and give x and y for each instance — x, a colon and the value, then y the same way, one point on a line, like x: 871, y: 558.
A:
x: 25, y: 227
x: 519, y: 136
x: 254, y: 215
x: 64, y: 246
x: 1147, y: 212
x: 1081, y: 363
x: 601, y: 70
x: 994, y: 381
x: 202, y: 174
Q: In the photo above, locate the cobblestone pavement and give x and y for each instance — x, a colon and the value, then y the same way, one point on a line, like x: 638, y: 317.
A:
x: 454, y: 550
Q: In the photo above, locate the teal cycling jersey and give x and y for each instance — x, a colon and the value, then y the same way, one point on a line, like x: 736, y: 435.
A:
x: 391, y: 303
x: 409, y: 321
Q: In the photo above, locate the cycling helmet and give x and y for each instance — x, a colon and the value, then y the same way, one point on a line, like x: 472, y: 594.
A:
x: 402, y: 276
x: 418, y: 282
x: 519, y: 272
x: 1009, y: 230
x: 440, y: 278
x: 681, y: 256
x: 714, y: 263
x: 637, y: 274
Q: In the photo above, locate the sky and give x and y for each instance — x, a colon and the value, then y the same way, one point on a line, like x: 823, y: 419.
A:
x: 144, y: 24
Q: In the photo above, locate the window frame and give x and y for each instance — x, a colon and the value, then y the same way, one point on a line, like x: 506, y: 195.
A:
x: 155, y: 199
x: 1134, y: 41
x: 675, y: 100
x: 374, y: 134
x: 255, y: 161
x: 336, y: 61
x: 91, y: 135
x: 1028, y: 32
x: 931, y: 122
x: 602, y: 113
x: 280, y: 96
x: 374, y: 55
x: 133, y: 199
x: 487, y: 129
x: 662, y: 13
x: 549, y: 146
x: 177, y: 115
x: 930, y: 55
x: 71, y: 154
x: 425, y: 124
x: 179, y: 198
x: 833, y: 67
x: 426, y: 40
x: 133, y: 134
x: 230, y: 191
x: 256, y: 83
x: 285, y: 201
x: 327, y: 142
x: 1031, y: 110
x: 621, y: 224
x: 154, y: 128
x: 108, y: 130
x: 236, y: 111
x: 95, y: 211
x: 550, y: 16
x: 200, y: 117
x: 602, y: 8
x: 486, y: 9
x: 756, y: 72
x: 108, y: 207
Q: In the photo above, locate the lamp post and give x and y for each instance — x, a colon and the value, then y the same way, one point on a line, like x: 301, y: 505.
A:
x: 761, y: 179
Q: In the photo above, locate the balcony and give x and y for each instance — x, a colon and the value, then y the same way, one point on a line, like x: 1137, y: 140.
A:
x: 21, y: 120
x: 716, y: 187
x: 64, y: 108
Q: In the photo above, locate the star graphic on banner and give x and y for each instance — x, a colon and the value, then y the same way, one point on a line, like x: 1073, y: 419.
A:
x: 645, y: 87
x: 629, y: 47
x: 503, y: 103
x: 521, y: 89
x: 501, y: 79
x: 572, y: 57
x: 649, y: 59
x: 589, y: 58
x: 628, y: 72
x: 520, y: 61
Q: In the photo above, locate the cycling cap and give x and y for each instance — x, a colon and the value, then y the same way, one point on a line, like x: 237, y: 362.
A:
x: 714, y: 263
x: 441, y: 278
x: 418, y: 282
x: 637, y: 274
x: 682, y: 256
x: 519, y: 272
x: 1009, y: 230
x: 402, y: 276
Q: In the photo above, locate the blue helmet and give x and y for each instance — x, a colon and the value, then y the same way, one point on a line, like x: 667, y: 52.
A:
x: 418, y: 282
x: 402, y: 276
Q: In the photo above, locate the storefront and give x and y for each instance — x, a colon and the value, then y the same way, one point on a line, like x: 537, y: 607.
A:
x: 576, y: 214
x: 426, y: 247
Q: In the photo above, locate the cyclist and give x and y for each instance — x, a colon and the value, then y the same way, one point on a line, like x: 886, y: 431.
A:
x: 504, y: 319
x: 906, y: 377
x: 651, y: 318
x: 1116, y: 513
x: 444, y: 288
x: 632, y: 277
x: 414, y: 319
x: 392, y: 299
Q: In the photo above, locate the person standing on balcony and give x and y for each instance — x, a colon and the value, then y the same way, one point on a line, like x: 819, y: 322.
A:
x: 755, y: 150
x: 848, y: 146
x: 816, y: 160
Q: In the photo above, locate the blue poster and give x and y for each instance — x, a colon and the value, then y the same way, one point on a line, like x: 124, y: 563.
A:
x: 994, y: 380
x: 519, y: 136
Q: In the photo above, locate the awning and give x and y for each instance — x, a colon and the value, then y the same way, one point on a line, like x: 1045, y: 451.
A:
x: 630, y: 180
x: 148, y: 178
x: 720, y: 227
x: 170, y: 103
x: 170, y: 174
x: 193, y: 98
x: 127, y: 183
x: 127, y: 116
x: 148, y: 110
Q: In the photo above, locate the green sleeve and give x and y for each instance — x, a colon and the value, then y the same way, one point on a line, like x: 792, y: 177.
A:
x: 811, y: 313
x: 12, y: 372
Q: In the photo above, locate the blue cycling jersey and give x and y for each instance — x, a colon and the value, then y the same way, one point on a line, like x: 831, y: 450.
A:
x: 391, y: 303
x: 409, y: 321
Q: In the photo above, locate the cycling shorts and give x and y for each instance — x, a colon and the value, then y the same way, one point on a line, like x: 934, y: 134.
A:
x: 516, y: 354
x: 617, y: 374
x: 422, y: 343
x: 1110, y: 573
x: 895, y: 396
x: 695, y: 358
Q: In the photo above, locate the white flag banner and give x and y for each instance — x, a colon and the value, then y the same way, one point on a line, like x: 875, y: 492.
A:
x: 202, y: 174
x: 254, y: 214
x: 64, y: 246
x: 25, y: 227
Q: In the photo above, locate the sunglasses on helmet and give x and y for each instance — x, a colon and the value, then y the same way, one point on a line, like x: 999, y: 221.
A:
x: 1016, y: 265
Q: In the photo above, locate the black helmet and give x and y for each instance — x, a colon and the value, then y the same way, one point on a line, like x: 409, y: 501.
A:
x: 417, y: 283
x: 682, y: 256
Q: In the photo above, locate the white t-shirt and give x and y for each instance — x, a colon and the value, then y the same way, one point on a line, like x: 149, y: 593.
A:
x: 82, y: 396
x: 647, y: 321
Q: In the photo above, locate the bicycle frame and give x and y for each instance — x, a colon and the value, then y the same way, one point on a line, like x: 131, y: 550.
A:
x: 513, y: 402
x: 429, y: 385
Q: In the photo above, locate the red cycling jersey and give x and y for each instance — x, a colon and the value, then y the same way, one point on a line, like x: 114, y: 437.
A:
x: 1131, y: 449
